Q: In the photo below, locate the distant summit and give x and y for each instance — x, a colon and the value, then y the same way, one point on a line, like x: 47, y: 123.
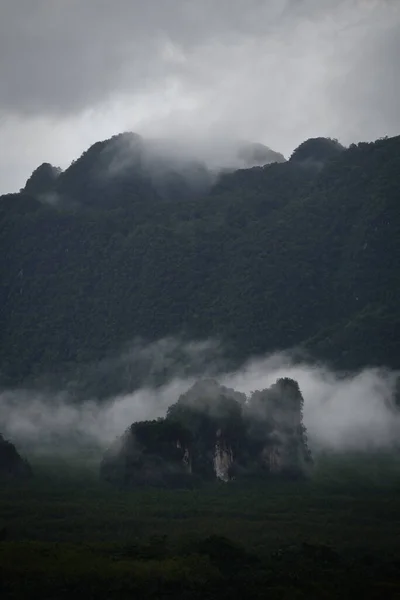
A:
x: 127, y: 169
x: 42, y: 180
x: 316, y: 150
x: 254, y: 155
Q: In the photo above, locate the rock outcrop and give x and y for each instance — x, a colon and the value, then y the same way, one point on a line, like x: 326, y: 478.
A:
x: 12, y: 465
x: 213, y: 432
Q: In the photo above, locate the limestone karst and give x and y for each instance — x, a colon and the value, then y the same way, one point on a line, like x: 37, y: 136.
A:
x: 214, y: 433
x: 11, y: 462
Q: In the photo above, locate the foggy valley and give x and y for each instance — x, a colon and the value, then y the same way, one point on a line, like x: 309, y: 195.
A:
x: 355, y: 411
x: 199, y: 299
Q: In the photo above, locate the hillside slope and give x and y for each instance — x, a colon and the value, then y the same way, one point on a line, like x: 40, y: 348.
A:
x: 271, y: 257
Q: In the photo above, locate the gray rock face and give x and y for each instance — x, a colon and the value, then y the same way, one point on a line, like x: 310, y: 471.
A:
x: 223, y: 459
x: 213, y: 432
x: 12, y: 465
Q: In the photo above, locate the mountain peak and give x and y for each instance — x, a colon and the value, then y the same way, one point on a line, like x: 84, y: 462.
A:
x: 316, y: 150
x: 256, y: 154
x: 42, y: 179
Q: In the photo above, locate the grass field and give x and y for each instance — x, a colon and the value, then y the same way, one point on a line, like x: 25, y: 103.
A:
x: 66, y: 523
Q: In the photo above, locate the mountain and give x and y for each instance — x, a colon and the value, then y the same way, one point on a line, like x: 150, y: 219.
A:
x: 316, y: 151
x: 43, y: 180
x: 213, y: 432
x: 120, y: 172
x: 11, y: 463
x: 254, y: 154
x: 127, y: 170
x: 303, y: 253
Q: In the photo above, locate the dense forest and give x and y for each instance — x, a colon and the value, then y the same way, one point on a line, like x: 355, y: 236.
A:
x: 126, y: 244
x: 131, y: 245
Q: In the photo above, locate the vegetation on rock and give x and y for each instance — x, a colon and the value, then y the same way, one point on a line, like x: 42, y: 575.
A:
x: 316, y: 150
x: 11, y: 463
x: 213, y: 432
x: 269, y: 258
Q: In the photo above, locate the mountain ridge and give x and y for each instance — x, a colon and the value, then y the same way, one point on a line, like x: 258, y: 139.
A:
x: 274, y: 257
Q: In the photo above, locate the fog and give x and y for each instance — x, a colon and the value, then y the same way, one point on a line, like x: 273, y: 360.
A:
x: 196, y: 160
x: 342, y: 412
x: 179, y: 149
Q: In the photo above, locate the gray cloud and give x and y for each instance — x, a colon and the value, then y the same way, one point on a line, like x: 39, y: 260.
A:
x: 342, y: 413
x: 275, y: 71
x: 66, y: 56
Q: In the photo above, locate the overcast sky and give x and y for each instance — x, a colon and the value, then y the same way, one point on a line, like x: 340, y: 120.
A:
x: 274, y: 71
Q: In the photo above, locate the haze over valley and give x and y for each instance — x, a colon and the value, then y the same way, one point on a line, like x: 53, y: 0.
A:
x: 199, y: 307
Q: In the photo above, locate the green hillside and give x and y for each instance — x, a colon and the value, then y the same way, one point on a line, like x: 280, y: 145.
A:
x: 304, y: 252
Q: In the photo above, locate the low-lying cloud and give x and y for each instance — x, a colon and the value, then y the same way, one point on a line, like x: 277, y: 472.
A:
x: 342, y: 412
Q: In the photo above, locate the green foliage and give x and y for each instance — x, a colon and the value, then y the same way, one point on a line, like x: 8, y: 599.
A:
x: 214, y: 432
x: 149, y: 453
x: 332, y: 537
x: 11, y: 462
x: 156, y: 434
x: 272, y: 257
x: 203, y: 415
x: 43, y: 180
x: 316, y: 150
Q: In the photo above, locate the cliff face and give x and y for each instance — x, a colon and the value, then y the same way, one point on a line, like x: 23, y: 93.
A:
x: 223, y: 458
x: 11, y: 463
x: 275, y: 423
x: 150, y: 453
x: 213, y: 432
